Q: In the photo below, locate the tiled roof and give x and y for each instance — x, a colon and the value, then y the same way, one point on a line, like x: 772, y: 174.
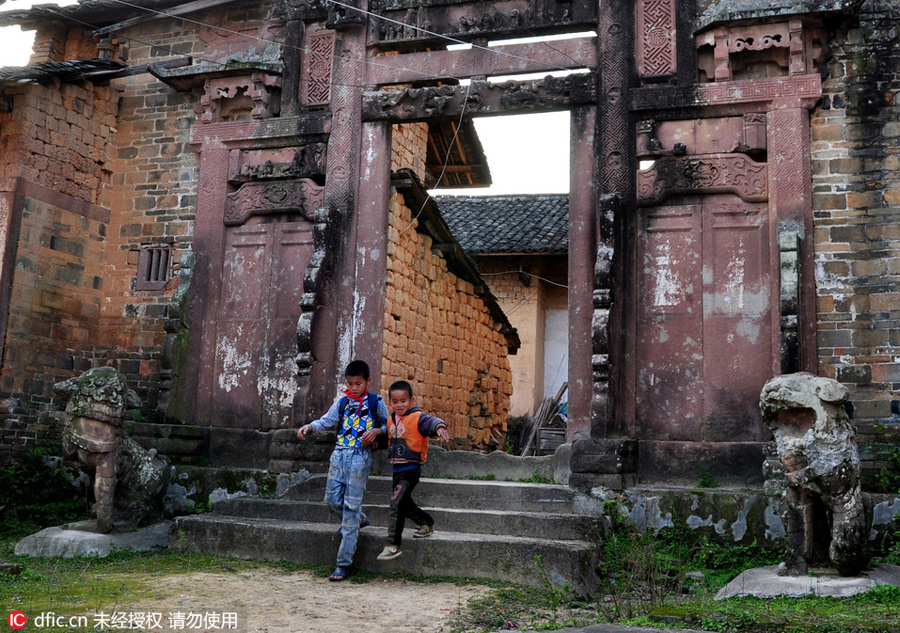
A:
x: 67, y: 70
x: 508, y: 224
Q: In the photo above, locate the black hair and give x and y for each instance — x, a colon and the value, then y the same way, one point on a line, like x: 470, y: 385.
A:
x: 357, y: 368
x: 401, y: 385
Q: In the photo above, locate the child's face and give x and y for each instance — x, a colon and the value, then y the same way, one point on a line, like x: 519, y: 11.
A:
x: 357, y: 385
x: 401, y: 401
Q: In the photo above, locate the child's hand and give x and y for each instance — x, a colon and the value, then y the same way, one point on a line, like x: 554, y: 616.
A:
x: 303, y: 431
x: 369, y: 436
x: 443, y: 433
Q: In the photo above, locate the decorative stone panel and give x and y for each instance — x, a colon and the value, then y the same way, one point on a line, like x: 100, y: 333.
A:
x: 656, y: 56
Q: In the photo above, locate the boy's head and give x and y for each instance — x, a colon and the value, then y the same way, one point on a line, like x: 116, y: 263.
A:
x: 401, y: 397
x: 357, y: 377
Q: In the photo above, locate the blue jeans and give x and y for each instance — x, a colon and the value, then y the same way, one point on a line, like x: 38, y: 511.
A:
x: 344, y: 491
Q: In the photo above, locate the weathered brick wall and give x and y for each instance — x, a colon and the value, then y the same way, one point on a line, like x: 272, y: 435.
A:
x: 80, y: 152
x: 440, y: 336
x: 410, y: 147
x: 856, y: 185
x: 59, y: 137
x: 56, y: 142
x: 152, y: 197
x: 53, y: 312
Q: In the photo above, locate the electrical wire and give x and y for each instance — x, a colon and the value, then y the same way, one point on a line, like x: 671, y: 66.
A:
x: 445, y: 37
x: 462, y: 115
x: 302, y: 49
x: 522, y: 272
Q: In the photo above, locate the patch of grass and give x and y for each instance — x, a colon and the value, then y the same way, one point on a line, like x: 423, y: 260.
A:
x: 536, y: 478
x: 487, y: 477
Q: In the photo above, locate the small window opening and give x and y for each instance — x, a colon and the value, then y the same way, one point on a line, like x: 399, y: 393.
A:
x: 153, y: 268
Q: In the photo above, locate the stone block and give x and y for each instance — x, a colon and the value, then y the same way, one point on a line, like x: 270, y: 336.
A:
x: 604, y: 456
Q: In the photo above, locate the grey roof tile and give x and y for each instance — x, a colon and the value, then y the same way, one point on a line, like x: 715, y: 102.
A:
x: 508, y: 224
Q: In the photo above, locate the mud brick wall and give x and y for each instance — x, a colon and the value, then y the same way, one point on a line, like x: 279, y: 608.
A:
x: 856, y: 199
x: 410, y: 147
x: 440, y: 337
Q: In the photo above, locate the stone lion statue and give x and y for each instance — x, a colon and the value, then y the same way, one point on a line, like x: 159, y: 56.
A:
x: 95, y: 412
x: 825, y: 517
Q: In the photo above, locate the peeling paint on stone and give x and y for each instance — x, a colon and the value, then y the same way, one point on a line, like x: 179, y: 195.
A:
x: 739, y: 527
x: 235, y: 365
x: 774, y: 524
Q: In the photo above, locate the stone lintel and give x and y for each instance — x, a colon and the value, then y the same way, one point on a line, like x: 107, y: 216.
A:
x: 275, y: 132
x: 498, y: 60
x: 797, y: 90
x: 480, y: 98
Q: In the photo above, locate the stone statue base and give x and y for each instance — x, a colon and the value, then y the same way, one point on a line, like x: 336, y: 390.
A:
x: 82, y: 539
x: 764, y: 582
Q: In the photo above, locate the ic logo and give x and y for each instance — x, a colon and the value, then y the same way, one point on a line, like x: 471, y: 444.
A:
x: 17, y: 620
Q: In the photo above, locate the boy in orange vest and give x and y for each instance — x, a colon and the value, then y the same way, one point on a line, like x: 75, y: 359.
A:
x: 408, y: 431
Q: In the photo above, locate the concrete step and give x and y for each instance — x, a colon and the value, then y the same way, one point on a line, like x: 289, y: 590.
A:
x: 462, y: 494
x: 530, y: 561
x: 525, y: 524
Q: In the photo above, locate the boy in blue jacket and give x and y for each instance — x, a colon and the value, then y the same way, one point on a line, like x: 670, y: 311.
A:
x: 408, y: 431
x: 360, y: 417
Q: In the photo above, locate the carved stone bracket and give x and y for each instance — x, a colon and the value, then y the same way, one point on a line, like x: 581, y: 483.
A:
x: 254, y: 198
x: 262, y: 90
x: 791, y: 45
x: 418, y: 104
x: 714, y: 173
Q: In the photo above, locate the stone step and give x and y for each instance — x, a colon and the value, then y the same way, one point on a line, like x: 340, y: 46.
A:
x: 530, y: 561
x: 525, y: 524
x: 463, y: 494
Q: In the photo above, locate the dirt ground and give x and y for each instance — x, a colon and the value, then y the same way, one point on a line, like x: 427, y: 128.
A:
x: 263, y: 601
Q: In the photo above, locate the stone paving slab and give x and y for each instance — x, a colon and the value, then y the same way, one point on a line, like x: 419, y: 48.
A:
x: 77, y: 539
x: 764, y: 582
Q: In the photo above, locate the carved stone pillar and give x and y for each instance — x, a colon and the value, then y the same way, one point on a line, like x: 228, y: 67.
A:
x: 342, y: 177
x: 616, y: 166
x: 790, y: 199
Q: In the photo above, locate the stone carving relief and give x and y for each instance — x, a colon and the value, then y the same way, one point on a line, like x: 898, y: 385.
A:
x: 306, y: 161
x: 419, y: 22
x: 480, y: 97
x: 318, y: 61
x: 255, y: 198
x: 758, y: 51
x: 656, y: 38
x: 713, y: 174
x: 825, y: 517
x: 616, y: 129
x: 126, y: 477
x: 229, y: 98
